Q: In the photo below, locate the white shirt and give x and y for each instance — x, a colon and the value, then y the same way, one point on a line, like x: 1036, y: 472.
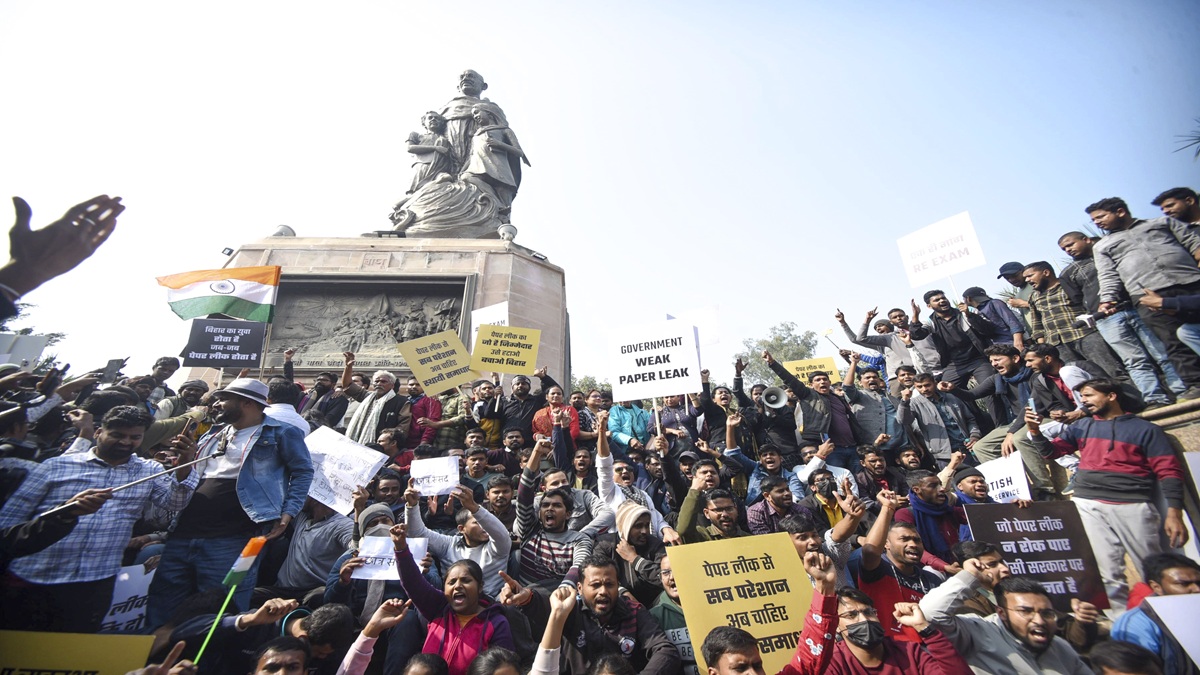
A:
x: 228, y: 465
x: 287, y: 414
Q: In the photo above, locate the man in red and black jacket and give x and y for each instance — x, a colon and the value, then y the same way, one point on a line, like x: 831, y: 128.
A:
x: 1121, y: 459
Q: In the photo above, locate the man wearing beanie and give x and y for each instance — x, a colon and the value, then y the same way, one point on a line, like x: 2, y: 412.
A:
x: 190, y: 393
x: 636, y: 551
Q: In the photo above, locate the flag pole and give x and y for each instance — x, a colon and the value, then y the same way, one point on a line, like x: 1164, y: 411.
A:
x: 241, y: 567
x: 262, y: 364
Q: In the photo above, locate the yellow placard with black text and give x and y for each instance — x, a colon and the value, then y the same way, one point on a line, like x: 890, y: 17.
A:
x: 506, y: 349
x: 803, y: 367
x: 27, y: 652
x: 756, y: 583
x: 439, y: 361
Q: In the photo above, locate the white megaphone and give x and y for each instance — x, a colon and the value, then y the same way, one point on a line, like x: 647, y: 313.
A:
x: 774, y: 397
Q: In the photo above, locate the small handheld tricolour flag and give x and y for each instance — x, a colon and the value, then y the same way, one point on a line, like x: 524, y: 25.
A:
x: 244, y: 562
x: 241, y: 292
x: 237, y: 573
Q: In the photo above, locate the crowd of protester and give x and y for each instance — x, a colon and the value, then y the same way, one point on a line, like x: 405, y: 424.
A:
x: 551, y: 554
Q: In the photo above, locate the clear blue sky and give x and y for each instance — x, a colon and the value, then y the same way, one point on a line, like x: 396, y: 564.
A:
x: 762, y: 157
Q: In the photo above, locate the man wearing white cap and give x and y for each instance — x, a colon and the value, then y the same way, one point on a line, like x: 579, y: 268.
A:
x: 254, y: 484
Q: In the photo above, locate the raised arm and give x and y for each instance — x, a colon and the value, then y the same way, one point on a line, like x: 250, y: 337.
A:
x: 429, y: 601
x: 872, y: 549
x: 789, y: 380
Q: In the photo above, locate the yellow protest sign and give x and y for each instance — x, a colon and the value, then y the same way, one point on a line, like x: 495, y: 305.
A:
x: 506, y: 349
x: 440, y: 361
x: 26, y: 652
x: 757, y: 584
x: 803, y: 367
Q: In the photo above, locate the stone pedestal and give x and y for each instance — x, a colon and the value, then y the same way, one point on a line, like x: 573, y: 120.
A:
x: 366, y: 294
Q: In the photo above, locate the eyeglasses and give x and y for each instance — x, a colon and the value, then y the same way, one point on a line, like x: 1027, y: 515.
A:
x: 1048, y: 615
x: 622, y: 469
x: 865, y: 612
x: 666, y: 573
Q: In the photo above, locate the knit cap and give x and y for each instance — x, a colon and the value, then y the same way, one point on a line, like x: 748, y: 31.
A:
x: 627, y: 514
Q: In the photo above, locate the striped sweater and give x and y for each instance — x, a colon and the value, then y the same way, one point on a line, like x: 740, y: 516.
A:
x: 1120, y: 459
x: 546, y: 555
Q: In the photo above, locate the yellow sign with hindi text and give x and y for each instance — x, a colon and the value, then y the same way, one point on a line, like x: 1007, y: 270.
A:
x: 803, y: 367
x: 506, y: 349
x: 756, y: 583
x: 440, y: 361
x: 26, y: 652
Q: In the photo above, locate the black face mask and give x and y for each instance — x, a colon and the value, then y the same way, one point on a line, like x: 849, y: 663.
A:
x: 865, y: 634
x: 825, y: 488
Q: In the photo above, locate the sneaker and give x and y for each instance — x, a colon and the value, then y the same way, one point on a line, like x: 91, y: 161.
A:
x: 1191, y: 394
x: 1070, y: 487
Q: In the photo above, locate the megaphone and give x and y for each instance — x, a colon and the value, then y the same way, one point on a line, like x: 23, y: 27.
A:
x: 774, y: 397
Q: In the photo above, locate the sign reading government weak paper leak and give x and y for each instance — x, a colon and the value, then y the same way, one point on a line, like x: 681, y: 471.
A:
x: 757, y: 584
x: 659, y: 359
x: 802, y: 367
x: 506, y: 349
x: 939, y: 250
x: 440, y: 361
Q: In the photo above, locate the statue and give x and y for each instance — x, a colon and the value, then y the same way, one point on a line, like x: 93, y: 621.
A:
x: 466, y: 169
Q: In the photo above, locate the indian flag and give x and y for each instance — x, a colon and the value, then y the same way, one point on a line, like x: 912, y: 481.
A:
x: 245, y: 561
x: 242, y: 292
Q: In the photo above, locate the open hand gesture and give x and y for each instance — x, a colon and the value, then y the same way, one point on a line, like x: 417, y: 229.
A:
x: 390, y: 613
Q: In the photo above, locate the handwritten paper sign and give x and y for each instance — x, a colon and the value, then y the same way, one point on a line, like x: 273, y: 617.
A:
x: 440, y: 361
x: 803, y: 367
x: 939, y: 250
x: 753, y: 583
x: 659, y: 359
x: 217, y: 343
x: 339, y: 465
x: 506, y: 349
x: 435, y: 476
x: 1045, y: 541
x: 379, y: 555
x: 1006, y: 480
x: 127, y: 614
x: 27, y: 652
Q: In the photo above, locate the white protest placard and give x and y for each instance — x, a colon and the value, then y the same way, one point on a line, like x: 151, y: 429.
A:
x: 936, y: 251
x: 339, y: 465
x: 127, y: 614
x: 1006, y: 478
x: 1178, y: 614
x: 707, y: 321
x: 435, y: 476
x: 658, y: 359
x: 492, y: 315
x: 379, y: 556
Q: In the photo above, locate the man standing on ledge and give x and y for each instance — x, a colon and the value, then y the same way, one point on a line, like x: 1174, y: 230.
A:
x: 226, y: 511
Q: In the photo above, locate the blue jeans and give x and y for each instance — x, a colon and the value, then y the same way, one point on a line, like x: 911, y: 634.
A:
x: 844, y: 456
x: 1139, y: 348
x: 1189, y: 334
x: 189, y: 566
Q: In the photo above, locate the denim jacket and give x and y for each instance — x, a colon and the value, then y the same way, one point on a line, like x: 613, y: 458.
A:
x: 276, y: 472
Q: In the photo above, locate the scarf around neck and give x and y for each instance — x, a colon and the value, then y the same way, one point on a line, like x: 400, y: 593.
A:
x: 366, y: 418
x: 927, y: 516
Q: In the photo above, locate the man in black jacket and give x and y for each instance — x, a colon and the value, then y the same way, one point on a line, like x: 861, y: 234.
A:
x: 605, y: 623
x: 960, y: 338
x: 1008, y: 392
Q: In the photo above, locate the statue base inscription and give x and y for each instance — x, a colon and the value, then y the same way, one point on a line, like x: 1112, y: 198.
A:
x: 365, y: 295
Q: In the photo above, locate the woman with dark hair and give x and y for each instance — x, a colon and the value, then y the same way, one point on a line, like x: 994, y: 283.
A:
x: 463, y: 623
x: 496, y: 661
x: 544, y: 419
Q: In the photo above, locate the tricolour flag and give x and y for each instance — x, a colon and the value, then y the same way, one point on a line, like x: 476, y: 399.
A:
x: 244, y: 562
x: 242, y: 292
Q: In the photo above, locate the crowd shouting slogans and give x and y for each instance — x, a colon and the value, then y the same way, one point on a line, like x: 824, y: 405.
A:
x: 551, y: 554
